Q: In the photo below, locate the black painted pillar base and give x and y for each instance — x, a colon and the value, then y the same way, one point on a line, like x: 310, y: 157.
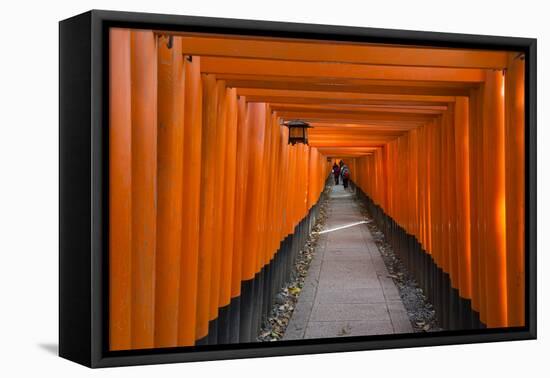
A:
x: 246, y: 302
x: 202, y: 341
x: 223, y: 321
x: 234, y: 320
x: 213, y: 332
x: 241, y: 320
x: 452, y: 311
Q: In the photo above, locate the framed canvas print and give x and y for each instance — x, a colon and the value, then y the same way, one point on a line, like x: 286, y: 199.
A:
x: 234, y: 188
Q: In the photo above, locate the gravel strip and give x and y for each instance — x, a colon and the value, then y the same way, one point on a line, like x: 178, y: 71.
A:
x: 420, y: 310
x: 286, y: 299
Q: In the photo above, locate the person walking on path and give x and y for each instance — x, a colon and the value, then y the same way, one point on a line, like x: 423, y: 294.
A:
x: 336, y: 173
x: 345, y: 175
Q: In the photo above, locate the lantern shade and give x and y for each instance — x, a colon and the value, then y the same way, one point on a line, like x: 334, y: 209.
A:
x: 297, y: 131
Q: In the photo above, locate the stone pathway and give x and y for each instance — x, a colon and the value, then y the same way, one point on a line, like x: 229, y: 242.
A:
x: 347, y: 291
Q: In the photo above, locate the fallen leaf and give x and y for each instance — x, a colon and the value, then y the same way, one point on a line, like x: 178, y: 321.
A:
x: 294, y: 290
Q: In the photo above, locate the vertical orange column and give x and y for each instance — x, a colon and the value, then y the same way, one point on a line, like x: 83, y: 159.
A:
x: 256, y: 129
x: 144, y: 184
x: 439, y: 191
x: 397, y: 180
x: 413, y: 191
x: 304, y: 167
x: 515, y: 189
x: 387, y: 177
x: 191, y: 203
x: 206, y: 235
x: 443, y: 229
x: 481, y: 184
x: 421, y: 191
x: 278, y: 189
x: 305, y: 182
x: 493, y: 142
x: 362, y: 167
x: 484, y: 207
x: 454, y: 252
x: 282, y: 166
x: 285, y: 162
x: 228, y: 222
x: 218, y: 144
x: 445, y: 197
x: 312, y: 190
x: 263, y: 183
x: 263, y: 177
x: 463, y: 220
x: 120, y: 189
x: 429, y: 189
x: 268, y: 188
x: 270, y: 249
x: 291, y: 203
x: 171, y: 91
x: 435, y: 193
x: 274, y: 194
x: 406, y: 180
x: 296, y: 184
x: 241, y: 191
x: 392, y: 177
x: 476, y: 179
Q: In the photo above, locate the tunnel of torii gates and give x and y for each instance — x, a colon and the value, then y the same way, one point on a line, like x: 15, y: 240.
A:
x: 209, y: 204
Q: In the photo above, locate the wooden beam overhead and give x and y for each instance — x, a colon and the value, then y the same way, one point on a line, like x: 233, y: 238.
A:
x: 371, y: 127
x: 344, y: 96
x: 328, y: 101
x: 348, y: 143
x: 339, y: 52
x: 351, y: 98
x: 433, y: 110
x: 365, y: 116
x: 378, y: 89
x: 331, y: 71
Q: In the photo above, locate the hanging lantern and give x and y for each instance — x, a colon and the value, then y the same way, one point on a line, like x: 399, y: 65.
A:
x: 297, y: 131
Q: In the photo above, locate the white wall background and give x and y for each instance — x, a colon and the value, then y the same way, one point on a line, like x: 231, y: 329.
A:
x: 29, y: 186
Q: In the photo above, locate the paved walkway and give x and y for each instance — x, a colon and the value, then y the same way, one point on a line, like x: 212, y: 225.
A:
x: 347, y: 291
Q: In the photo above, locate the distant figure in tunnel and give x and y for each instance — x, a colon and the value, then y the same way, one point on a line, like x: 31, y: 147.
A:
x: 345, y: 175
x: 336, y: 173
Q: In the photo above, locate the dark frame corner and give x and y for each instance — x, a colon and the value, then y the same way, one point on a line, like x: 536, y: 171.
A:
x: 83, y: 180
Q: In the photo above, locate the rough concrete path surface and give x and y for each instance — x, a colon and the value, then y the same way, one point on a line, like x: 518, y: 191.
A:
x: 347, y: 291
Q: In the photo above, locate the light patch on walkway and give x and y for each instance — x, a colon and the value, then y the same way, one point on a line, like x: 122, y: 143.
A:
x: 343, y: 227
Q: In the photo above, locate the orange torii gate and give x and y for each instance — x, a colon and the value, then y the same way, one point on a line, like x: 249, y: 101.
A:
x: 209, y: 204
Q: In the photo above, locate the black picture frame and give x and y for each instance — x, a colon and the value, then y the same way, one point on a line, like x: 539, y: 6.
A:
x: 83, y: 195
